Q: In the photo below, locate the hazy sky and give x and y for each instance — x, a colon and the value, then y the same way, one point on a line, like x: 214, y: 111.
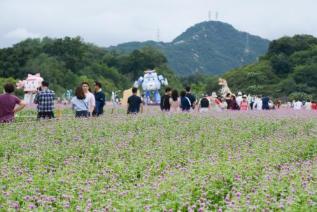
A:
x: 109, y: 22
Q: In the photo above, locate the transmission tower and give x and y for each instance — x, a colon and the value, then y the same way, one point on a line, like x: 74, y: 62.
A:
x: 247, y: 45
x: 158, y: 34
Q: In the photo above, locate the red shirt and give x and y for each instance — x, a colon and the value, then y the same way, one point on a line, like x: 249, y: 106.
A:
x: 7, y: 105
x: 217, y: 101
x: 314, y: 106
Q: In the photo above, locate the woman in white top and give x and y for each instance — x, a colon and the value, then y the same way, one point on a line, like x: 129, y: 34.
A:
x: 257, y: 103
x: 298, y: 105
x: 174, y: 101
x: 80, y: 103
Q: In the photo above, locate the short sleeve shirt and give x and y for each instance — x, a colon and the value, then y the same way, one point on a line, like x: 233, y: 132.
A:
x: 134, y: 103
x: 7, y: 105
x: 45, y: 101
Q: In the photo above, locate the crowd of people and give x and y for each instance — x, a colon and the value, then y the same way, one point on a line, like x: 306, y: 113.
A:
x: 86, y: 103
x: 172, y: 102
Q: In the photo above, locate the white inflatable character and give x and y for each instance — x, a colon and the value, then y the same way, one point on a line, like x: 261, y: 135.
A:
x: 151, y: 83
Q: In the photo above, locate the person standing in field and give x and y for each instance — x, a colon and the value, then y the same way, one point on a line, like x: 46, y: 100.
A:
x: 308, y: 105
x: 244, y: 105
x: 185, y: 103
x: 314, y: 105
x: 45, y: 102
x: 8, y: 103
x: 100, y: 99
x: 80, y: 103
x: 258, y: 103
x: 228, y: 101
x: 233, y: 103
x: 265, y: 103
x: 251, y: 100
x: 298, y: 105
x: 191, y: 97
x: 165, y: 100
x: 174, y: 101
x: 135, y: 104
x: 239, y: 98
x: 90, y: 98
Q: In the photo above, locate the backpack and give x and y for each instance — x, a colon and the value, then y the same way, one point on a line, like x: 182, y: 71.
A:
x: 190, y: 104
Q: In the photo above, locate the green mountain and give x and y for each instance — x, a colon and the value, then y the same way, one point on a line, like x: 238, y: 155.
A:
x: 289, y: 70
x: 211, y: 47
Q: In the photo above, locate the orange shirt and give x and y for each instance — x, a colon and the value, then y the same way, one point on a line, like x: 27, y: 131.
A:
x: 244, y: 105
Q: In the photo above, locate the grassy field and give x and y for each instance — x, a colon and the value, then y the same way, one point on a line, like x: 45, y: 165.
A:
x: 156, y: 162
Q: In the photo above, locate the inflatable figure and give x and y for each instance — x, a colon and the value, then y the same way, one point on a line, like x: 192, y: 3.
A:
x: 224, y: 87
x: 30, y: 86
x: 151, y: 83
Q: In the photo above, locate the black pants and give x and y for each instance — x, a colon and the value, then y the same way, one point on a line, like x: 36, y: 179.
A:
x: 45, y: 115
x: 81, y: 114
x: 251, y: 105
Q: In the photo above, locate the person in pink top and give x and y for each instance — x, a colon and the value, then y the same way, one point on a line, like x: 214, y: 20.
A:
x: 174, y: 101
x: 8, y: 103
x: 244, y: 105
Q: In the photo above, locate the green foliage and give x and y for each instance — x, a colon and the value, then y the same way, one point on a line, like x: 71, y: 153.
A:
x: 201, y: 83
x: 281, y: 64
x: 299, y: 96
x: 65, y: 62
x: 4, y: 81
x: 290, y: 66
x: 290, y: 45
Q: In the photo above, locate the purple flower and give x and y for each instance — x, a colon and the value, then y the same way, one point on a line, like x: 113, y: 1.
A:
x: 31, y: 206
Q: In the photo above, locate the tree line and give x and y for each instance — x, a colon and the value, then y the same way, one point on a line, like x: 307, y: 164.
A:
x: 288, y: 70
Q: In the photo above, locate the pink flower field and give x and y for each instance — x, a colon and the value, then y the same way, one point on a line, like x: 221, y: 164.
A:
x: 216, y: 161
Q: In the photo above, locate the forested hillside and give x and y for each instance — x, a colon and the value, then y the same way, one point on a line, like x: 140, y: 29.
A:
x: 68, y: 61
x: 288, y: 69
x: 211, y: 47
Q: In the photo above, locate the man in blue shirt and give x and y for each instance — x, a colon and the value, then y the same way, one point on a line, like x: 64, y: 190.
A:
x: 100, y: 99
x: 265, y: 103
